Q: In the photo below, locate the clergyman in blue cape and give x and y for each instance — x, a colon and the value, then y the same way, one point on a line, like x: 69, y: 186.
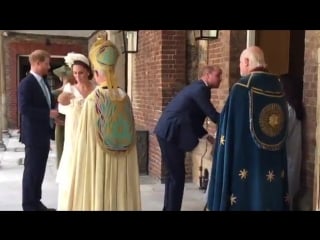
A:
x: 249, y: 171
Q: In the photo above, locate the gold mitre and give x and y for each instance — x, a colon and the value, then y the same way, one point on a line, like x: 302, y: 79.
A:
x: 103, y: 54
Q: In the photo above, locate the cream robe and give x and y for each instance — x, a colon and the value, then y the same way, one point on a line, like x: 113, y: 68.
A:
x: 72, y: 113
x: 294, y: 153
x: 100, y: 180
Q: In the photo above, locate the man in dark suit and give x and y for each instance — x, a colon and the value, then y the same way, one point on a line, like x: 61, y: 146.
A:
x: 180, y: 127
x: 36, y: 108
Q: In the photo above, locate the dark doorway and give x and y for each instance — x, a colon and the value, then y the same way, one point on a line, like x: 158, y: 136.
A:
x: 53, y: 80
x: 143, y: 151
x: 284, y: 53
x: 296, y: 58
x: 276, y: 45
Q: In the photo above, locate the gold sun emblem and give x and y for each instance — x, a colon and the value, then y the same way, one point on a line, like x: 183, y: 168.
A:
x: 243, y: 174
x: 233, y: 199
x: 271, y: 120
x: 274, y: 120
x: 270, y: 176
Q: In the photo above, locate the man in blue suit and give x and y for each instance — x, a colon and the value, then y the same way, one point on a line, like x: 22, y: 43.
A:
x: 36, y: 105
x: 180, y: 127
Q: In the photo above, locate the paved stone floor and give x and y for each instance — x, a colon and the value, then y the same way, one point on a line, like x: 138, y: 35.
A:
x: 11, y: 170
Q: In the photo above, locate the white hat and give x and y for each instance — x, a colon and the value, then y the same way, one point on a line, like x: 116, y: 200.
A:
x: 72, y: 57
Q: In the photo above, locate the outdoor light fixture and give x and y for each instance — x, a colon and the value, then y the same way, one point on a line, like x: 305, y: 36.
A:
x: 130, y: 41
x: 206, y: 34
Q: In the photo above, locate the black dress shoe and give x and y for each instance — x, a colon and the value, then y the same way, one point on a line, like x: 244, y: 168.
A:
x: 51, y: 209
x: 42, y: 207
x: 47, y: 209
x: 205, y: 208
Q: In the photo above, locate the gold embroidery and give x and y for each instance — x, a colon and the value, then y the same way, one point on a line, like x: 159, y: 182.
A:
x: 267, y: 93
x: 243, y: 174
x: 242, y: 85
x: 246, y: 85
x: 270, y: 176
x: 271, y: 120
x: 271, y: 147
x: 222, y: 140
x: 274, y: 120
x: 233, y: 199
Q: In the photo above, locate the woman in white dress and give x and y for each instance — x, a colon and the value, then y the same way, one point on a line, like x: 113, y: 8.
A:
x: 70, y: 104
x: 294, y: 140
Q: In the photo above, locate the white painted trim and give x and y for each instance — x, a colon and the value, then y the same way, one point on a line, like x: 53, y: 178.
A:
x: 251, y: 38
x: 51, y: 56
x: 130, y: 75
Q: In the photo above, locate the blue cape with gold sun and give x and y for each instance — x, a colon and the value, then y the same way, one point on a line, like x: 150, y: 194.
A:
x: 249, y: 169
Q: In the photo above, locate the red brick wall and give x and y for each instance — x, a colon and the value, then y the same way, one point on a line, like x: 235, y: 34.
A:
x: 238, y: 42
x: 312, y: 43
x: 160, y: 74
x: 219, y: 54
x: 146, y: 92
x: 225, y: 52
x: 16, y: 45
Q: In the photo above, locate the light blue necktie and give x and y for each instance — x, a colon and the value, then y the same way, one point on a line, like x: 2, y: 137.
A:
x: 47, y: 95
x: 46, y: 92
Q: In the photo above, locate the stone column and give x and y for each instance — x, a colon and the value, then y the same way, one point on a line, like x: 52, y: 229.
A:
x: 2, y: 93
x: 115, y: 36
x: 316, y: 188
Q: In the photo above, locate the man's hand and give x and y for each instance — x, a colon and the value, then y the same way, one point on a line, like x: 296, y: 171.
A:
x: 54, y: 113
x: 59, y: 121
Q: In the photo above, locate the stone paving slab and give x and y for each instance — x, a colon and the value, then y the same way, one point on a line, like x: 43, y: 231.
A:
x: 11, y: 170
